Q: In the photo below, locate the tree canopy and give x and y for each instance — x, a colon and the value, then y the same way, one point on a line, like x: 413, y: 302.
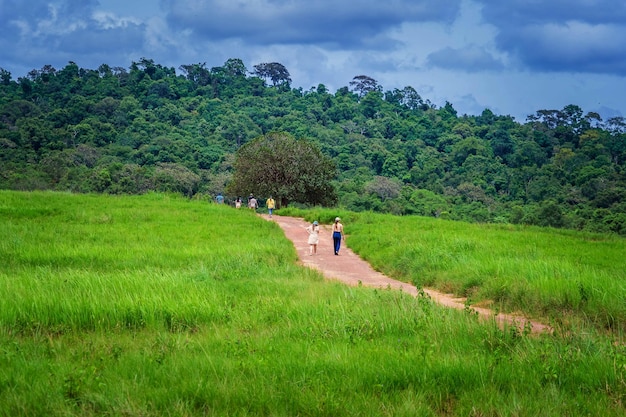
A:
x: 273, y: 71
x: 290, y: 170
x: 150, y: 128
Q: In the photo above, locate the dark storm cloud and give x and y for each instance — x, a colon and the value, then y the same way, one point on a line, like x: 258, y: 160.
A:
x: 56, y: 32
x: 470, y: 59
x: 341, y: 24
x: 561, y: 36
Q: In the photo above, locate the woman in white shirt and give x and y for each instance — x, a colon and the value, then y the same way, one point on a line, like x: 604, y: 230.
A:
x: 314, y: 237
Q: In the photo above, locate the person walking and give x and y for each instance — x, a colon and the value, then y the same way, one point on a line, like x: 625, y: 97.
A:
x: 252, y: 203
x: 219, y: 199
x: 337, y: 234
x: 238, y: 202
x: 270, y: 205
x: 314, y: 237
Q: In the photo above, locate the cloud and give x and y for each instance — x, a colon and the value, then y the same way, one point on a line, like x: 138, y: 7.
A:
x: 42, y: 17
x: 571, y: 47
x: 469, y: 59
x: 339, y: 24
x: 524, y: 12
x: 577, y: 36
x: 63, y: 31
x: 467, y: 104
x: 102, y: 41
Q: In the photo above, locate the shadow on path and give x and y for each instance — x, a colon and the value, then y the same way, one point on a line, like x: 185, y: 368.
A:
x: 348, y: 268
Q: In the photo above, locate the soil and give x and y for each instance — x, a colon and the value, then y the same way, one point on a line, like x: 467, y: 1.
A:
x: 348, y: 268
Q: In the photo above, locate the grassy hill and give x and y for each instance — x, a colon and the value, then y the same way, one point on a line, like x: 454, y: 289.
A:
x: 158, y: 305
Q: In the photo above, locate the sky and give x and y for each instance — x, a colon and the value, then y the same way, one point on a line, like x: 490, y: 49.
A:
x: 513, y: 57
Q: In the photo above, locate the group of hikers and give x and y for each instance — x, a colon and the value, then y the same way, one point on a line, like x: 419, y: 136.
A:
x: 253, y: 203
x: 313, y: 229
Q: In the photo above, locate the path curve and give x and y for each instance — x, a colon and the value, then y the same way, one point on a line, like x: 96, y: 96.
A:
x: 350, y: 269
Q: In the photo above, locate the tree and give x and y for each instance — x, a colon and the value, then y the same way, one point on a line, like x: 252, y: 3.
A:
x: 291, y: 170
x: 549, y: 214
x: 427, y: 203
x: 371, y: 104
x: 363, y: 84
x: 273, y: 71
x: 5, y: 77
x: 171, y: 177
x: 384, y: 187
x: 198, y: 74
x: 408, y: 97
x: 235, y: 67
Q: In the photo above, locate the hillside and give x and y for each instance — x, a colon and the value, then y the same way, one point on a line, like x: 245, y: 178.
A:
x: 149, y: 127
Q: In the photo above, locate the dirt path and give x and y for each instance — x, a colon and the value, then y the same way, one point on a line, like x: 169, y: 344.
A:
x: 348, y: 268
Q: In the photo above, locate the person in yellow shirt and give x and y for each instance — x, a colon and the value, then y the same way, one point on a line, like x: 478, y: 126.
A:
x: 271, y: 204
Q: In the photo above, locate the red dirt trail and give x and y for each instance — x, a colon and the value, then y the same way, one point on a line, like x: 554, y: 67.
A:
x: 348, y: 268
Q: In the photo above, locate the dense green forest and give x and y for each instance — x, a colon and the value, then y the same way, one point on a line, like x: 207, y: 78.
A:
x: 150, y: 127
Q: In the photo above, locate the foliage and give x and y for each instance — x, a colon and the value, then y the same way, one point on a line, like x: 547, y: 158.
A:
x: 274, y: 71
x: 363, y: 85
x: 148, y: 128
x: 278, y: 165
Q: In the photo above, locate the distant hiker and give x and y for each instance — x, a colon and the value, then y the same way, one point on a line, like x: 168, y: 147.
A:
x: 314, y: 237
x: 252, y: 203
x: 238, y: 202
x: 219, y: 199
x: 337, y: 234
x: 270, y: 205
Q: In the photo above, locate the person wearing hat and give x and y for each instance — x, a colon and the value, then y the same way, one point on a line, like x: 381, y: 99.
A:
x: 337, y: 234
x: 314, y: 237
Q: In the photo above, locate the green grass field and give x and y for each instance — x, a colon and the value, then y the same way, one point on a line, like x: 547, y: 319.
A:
x: 156, y: 305
x: 569, y: 279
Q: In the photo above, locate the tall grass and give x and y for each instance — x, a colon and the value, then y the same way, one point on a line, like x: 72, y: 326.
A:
x: 86, y: 262
x: 156, y: 305
x: 570, y: 278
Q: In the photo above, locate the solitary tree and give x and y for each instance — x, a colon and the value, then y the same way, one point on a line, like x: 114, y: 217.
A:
x: 273, y: 71
x: 363, y: 84
x: 290, y: 170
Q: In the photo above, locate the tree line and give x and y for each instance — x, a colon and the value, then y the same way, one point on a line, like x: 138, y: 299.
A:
x: 155, y: 128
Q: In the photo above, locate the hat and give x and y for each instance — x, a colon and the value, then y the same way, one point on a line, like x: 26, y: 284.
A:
x: 315, y: 222
x: 337, y: 219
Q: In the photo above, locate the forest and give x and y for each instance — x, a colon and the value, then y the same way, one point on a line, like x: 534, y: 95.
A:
x: 153, y: 128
